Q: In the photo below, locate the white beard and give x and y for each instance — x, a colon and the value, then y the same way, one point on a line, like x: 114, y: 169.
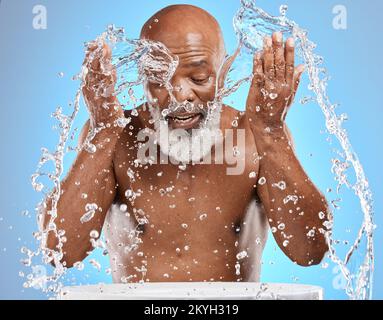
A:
x: 187, y: 146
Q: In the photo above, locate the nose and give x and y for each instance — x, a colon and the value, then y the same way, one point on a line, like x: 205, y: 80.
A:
x: 183, y: 92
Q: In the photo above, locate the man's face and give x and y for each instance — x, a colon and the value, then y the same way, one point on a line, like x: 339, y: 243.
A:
x: 182, y: 108
x: 193, y: 85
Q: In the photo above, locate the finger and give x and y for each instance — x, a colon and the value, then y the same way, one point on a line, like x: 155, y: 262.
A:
x: 268, y: 59
x: 297, y: 76
x: 114, y: 75
x: 94, y: 50
x: 290, y: 60
x: 95, y: 60
x: 279, y: 56
x: 106, y: 52
x: 90, y: 47
x: 106, y: 60
x: 258, y: 75
x: 257, y: 81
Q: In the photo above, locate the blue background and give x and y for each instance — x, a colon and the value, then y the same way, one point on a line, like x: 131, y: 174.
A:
x: 30, y: 90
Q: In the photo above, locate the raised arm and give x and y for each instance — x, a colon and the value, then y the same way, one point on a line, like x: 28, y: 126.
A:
x: 90, y: 183
x: 296, y: 210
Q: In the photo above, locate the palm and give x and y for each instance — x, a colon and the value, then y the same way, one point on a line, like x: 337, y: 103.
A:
x: 275, y: 81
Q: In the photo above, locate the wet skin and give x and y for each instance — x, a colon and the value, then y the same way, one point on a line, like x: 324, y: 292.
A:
x: 211, y: 252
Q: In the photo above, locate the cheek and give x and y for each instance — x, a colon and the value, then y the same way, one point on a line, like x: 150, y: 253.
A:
x: 158, y: 93
x: 206, y: 93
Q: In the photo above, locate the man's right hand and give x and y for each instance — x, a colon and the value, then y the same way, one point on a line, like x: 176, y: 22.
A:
x: 98, y: 86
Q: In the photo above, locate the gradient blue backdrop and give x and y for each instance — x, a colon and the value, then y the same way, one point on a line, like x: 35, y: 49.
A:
x: 30, y: 90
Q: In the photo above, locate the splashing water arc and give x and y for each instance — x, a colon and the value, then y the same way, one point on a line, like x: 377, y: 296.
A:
x: 252, y: 24
x: 135, y: 62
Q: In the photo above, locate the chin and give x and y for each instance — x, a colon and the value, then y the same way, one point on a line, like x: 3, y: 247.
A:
x: 186, y: 137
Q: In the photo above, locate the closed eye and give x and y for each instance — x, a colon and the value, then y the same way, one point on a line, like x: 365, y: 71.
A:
x: 200, y: 80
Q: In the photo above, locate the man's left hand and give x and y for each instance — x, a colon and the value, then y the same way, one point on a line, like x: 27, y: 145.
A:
x: 275, y: 82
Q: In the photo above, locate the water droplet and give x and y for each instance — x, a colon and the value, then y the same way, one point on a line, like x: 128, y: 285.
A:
x: 95, y: 264
x: 280, y: 185
x: 283, y: 10
x: 262, y: 181
x: 94, y: 234
x: 335, y: 203
x: 79, y: 265
x: 122, y: 122
x: 89, y: 147
x: 134, y: 112
x: 90, y: 210
x: 182, y: 167
x: 241, y: 255
x: 252, y: 174
x: 311, y: 233
x: 306, y: 100
x: 123, y: 207
x: 237, y: 269
x: 281, y: 226
x: 292, y: 198
x: 273, y: 96
x: 25, y: 213
x: 129, y: 193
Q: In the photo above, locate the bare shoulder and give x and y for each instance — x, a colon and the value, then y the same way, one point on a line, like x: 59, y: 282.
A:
x: 134, y: 124
x: 230, y: 116
x: 229, y: 111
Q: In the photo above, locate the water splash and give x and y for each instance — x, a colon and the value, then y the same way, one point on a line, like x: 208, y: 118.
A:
x: 137, y: 61
x: 252, y: 24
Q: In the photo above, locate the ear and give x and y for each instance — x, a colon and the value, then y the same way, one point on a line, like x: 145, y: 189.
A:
x: 225, y: 68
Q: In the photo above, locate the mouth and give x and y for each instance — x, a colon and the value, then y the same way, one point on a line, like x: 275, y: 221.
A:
x: 184, y: 120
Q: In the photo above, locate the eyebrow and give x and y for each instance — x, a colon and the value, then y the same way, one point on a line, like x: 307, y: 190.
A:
x: 196, y: 64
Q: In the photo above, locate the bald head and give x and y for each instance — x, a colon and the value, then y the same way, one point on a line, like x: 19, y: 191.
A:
x: 195, y: 38
x: 182, y: 26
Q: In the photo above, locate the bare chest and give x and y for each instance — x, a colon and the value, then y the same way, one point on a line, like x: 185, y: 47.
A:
x: 178, y: 198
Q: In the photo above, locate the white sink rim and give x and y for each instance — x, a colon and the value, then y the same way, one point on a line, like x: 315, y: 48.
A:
x: 193, y: 291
